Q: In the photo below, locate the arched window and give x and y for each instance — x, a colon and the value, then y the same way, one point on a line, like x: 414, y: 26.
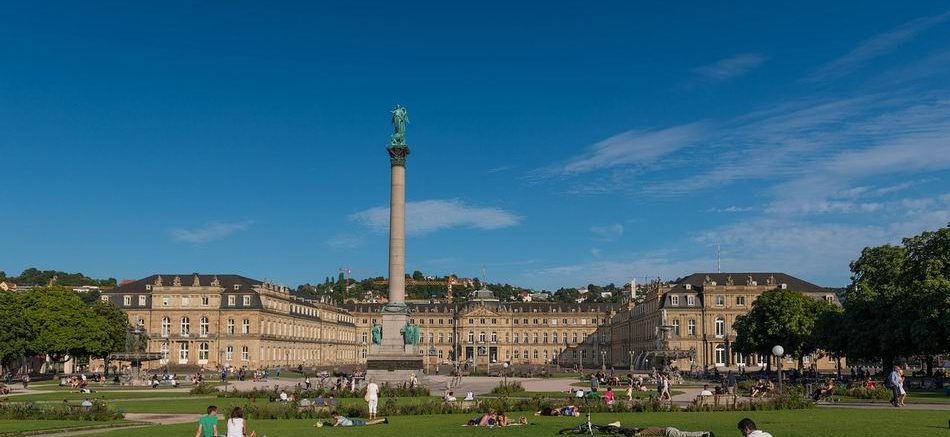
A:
x: 203, y: 326
x: 166, y: 328
x: 246, y: 326
x: 229, y: 353
x: 185, y: 326
x: 203, y: 351
x: 720, y: 355
x: 554, y: 337
x: 183, y: 352
x: 720, y: 327
x: 245, y: 354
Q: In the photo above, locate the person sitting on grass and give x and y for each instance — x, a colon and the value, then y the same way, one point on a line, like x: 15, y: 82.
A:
x: 489, y: 419
x: 869, y: 384
x: 237, y: 426
x: 208, y: 424
x: 339, y: 420
x: 502, y: 419
x: 747, y: 428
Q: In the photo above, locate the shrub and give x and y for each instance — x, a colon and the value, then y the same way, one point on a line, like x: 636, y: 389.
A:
x: 507, y: 389
x: 863, y: 393
x: 99, y: 411
x: 203, y: 389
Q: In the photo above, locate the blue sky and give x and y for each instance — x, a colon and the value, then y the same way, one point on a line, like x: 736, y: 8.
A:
x: 551, y: 146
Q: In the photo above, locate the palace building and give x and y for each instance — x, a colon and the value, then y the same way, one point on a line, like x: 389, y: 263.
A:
x: 484, y: 331
x: 689, y: 323
x: 209, y: 321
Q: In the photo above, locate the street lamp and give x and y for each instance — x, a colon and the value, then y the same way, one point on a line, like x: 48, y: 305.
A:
x: 630, y: 352
x: 505, y: 373
x: 603, y: 360
x: 778, y: 351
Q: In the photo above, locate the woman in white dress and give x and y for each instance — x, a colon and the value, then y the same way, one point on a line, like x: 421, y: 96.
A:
x: 237, y: 426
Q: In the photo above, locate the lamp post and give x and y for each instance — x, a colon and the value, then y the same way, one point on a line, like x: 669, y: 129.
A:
x: 603, y: 360
x: 630, y: 352
x: 505, y: 373
x: 778, y: 351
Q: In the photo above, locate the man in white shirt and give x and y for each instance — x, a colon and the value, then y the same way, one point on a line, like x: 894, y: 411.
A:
x: 705, y: 391
x: 372, y: 398
x: 748, y: 429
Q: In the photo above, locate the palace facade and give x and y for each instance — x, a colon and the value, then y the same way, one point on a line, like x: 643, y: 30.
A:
x: 689, y: 323
x: 484, y: 331
x: 209, y: 321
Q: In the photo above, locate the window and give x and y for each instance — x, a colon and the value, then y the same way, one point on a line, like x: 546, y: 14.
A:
x: 515, y: 337
x: 535, y: 338
x: 481, y: 337
x: 205, y: 301
x: 517, y: 354
x: 166, y: 326
x: 245, y: 354
x: 245, y: 326
x: 494, y: 337
x: 183, y: 352
x: 363, y: 338
x: 229, y: 353
x: 675, y: 301
x: 481, y: 321
x: 720, y: 301
x: 203, y: 351
x: 545, y: 338
x: 471, y: 336
x: 720, y: 327
x: 231, y: 300
x: 740, y: 301
x: 574, y: 338
x: 691, y: 327
x: 231, y: 326
x: 203, y: 326
x: 554, y: 337
x: 163, y: 349
x: 104, y: 298
x: 690, y: 300
x: 720, y: 355
x: 140, y: 323
x: 185, y: 326
x: 535, y: 354
x: 127, y: 300
x: 185, y: 301
x: 829, y: 298
x: 676, y: 328
x: 246, y: 301
x: 143, y: 301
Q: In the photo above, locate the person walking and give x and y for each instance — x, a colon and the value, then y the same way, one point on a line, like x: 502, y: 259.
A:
x: 372, y: 398
x: 208, y: 424
x: 893, y: 382
x: 903, y: 391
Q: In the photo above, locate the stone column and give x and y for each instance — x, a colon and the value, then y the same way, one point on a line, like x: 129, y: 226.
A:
x: 397, y: 228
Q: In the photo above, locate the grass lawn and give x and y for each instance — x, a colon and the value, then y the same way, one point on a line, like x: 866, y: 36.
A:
x: 197, y: 405
x: 107, y: 395
x: 10, y: 427
x: 618, y: 393
x: 797, y: 423
x: 913, y: 397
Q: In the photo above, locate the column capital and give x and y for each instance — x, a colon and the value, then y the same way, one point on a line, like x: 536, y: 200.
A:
x: 397, y: 155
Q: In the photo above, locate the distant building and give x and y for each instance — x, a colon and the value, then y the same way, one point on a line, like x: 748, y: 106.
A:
x: 8, y: 286
x: 210, y: 321
x: 689, y: 323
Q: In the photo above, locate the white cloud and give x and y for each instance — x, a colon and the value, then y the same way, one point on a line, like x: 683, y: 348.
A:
x: 596, y: 252
x: 633, y: 147
x: 209, y: 232
x: 874, y: 47
x: 729, y: 68
x: 426, y: 216
x: 734, y: 208
x: 344, y: 241
x: 608, y: 232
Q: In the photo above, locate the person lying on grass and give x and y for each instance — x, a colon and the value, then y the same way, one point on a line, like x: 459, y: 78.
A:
x: 339, y: 420
x: 569, y: 410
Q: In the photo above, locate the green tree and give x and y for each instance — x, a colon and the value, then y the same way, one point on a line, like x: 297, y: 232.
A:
x: 14, y: 331
x: 418, y: 276
x: 926, y: 283
x: 875, y: 306
x: 59, y: 322
x: 778, y: 317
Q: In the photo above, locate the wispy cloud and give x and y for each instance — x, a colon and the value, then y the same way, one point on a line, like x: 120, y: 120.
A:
x: 729, y: 68
x: 874, y: 47
x: 500, y: 169
x: 632, y: 148
x: 733, y: 208
x: 209, y: 232
x: 423, y: 217
x: 344, y: 241
x: 608, y: 232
